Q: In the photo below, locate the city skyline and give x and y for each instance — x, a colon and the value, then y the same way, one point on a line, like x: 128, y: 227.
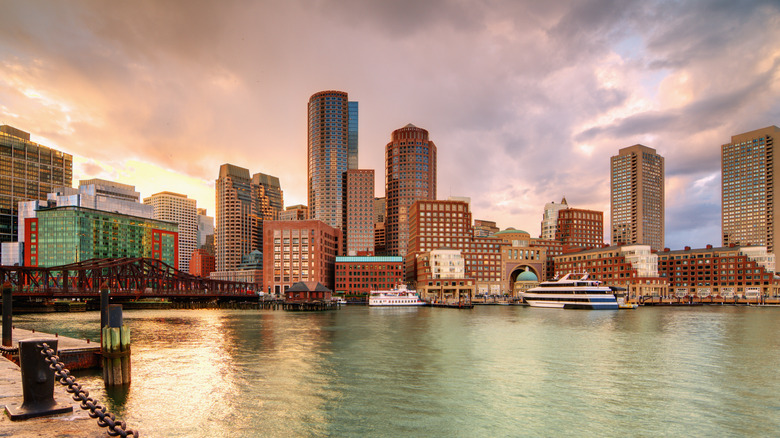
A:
x: 526, y: 102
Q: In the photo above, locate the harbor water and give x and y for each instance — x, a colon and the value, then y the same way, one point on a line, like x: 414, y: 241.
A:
x: 490, y: 371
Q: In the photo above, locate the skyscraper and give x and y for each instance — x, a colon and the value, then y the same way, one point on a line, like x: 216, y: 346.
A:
x: 410, y: 164
x: 233, y: 234
x: 360, y: 212
x: 28, y: 171
x: 332, y: 149
x: 243, y: 204
x: 174, y: 207
x: 637, y: 197
x: 749, y: 192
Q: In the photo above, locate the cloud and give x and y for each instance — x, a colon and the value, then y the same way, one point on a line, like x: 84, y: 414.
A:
x: 526, y: 101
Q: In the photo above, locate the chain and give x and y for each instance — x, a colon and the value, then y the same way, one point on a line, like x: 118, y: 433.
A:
x: 96, y: 410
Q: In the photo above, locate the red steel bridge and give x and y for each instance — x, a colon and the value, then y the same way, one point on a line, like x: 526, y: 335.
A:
x: 130, y: 278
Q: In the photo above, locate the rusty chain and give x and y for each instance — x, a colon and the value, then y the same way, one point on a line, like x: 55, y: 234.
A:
x: 96, y: 410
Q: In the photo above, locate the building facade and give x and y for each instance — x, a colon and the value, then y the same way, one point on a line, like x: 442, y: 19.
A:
x: 358, y: 229
x: 632, y: 267
x: 177, y: 208
x: 202, y: 264
x: 726, y: 271
x: 296, y: 251
x: 357, y: 276
x: 410, y: 171
x: 332, y: 146
x: 550, y: 219
x: 62, y: 235
x: 28, y: 172
x: 205, y: 229
x: 244, y: 204
x: 485, y: 228
x: 750, y: 216
x: 579, y: 227
x: 637, y: 199
x: 296, y: 212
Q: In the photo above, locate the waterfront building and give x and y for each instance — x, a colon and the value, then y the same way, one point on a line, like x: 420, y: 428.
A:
x: 552, y: 248
x: 637, y: 197
x: 580, y: 227
x: 28, y: 171
x: 410, y: 171
x: 178, y: 208
x: 356, y: 276
x: 243, y: 206
x: 750, y: 214
x: 296, y: 212
x: 519, y: 255
x: 62, y: 235
x: 726, y: 271
x: 441, y: 276
x: 447, y: 224
x: 633, y: 267
x: 205, y: 230
x: 202, y: 264
x: 550, y: 219
x: 358, y: 226
x: 332, y: 150
x: 250, y: 270
x: 299, y: 251
x: 485, y: 228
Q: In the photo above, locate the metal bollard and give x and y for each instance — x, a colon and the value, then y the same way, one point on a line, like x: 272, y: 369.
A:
x: 7, y: 315
x: 37, y: 383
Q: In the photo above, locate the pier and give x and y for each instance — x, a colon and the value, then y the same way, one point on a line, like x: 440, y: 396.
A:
x: 76, y: 354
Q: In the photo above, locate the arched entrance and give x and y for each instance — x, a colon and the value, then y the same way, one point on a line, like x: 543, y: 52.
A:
x: 524, y: 272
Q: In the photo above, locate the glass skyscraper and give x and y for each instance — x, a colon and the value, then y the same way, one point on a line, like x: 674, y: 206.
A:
x: 28, y: 172
x: 332, y: 150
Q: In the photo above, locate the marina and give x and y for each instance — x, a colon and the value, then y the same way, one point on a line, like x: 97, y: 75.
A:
x: 661, y: 371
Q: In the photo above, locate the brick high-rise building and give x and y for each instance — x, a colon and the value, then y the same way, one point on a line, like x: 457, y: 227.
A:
x: 359, y: 217
x: 637, y: 197
x: 410, y: 162
x: 296, y: 251
x: 749, y: 194
x: 579, y: 227
x: 332, y: 150
x: 174, y: 207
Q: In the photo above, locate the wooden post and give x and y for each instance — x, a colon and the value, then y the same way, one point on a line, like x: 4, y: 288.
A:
x: 7, y: 315
x: 116, y: 349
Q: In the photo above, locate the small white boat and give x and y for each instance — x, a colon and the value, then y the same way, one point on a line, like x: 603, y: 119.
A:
x: 400, y: 296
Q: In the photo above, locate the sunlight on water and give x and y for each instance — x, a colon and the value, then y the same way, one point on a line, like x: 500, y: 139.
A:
x: 490, y: 371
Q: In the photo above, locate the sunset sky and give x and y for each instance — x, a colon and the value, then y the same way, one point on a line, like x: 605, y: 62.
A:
x: 525, y: 100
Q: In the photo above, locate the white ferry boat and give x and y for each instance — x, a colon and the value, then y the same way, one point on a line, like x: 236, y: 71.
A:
x: 573, y: 293
x: 400, y: 296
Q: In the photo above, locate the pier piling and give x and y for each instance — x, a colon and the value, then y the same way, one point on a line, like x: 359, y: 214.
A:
x: 116, y: 349
x: 7, y: 315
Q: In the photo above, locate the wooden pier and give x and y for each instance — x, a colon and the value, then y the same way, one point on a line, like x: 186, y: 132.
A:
x: 76, y: 354
x: 309, y: 305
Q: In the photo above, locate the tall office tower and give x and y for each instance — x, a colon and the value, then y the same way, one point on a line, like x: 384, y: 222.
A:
x: 233, y: 235
x: 579, y: 227
x: 330, y: 129
x: 352, y: 136
x: 550, y: 218
x: 749, y: 192
x: 269, y: 201
x: 174, y: 207
x: 359, y: 219
x: 410, y: 163
x: 205, y: 229
x: 28, y: 171
x: 637, y: 197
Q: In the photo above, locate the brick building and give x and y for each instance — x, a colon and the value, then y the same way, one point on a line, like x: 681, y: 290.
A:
x: 202, y: 263
x: 580, y: 227
x: 356, y: 276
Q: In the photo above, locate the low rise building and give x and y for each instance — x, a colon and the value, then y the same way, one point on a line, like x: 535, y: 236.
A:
x: 357, y: 276
x: 725, y: 271
x: 441, y: 276
x: 202, y: 264
x: 633, y: 267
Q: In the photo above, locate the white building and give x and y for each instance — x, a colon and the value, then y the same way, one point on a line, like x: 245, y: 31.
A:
x: 550, y: 219
x: 447, y: 263
x: 174, y: 207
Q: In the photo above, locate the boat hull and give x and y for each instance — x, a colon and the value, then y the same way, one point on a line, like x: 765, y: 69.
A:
x: 585, y: 302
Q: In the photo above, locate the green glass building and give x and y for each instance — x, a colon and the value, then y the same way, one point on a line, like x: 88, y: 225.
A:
x: 63, y: 235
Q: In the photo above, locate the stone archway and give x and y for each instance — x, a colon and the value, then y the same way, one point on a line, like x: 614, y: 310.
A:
x: 517, y: 270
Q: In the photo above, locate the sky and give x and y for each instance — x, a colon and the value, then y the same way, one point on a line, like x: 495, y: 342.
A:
x: 526, y: 101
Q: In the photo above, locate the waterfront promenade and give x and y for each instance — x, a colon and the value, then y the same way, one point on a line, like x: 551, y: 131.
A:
x: 75, y: 424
